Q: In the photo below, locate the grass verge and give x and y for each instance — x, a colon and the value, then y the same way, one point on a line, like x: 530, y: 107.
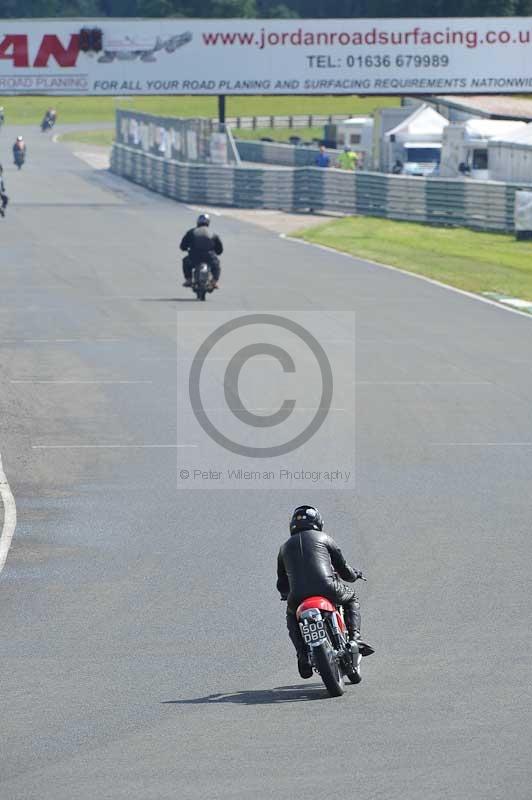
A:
x: 103, y: 138
x: 30, y: 110
x: 470, y: 260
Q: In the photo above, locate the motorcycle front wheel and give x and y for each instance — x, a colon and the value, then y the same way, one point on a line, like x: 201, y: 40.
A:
x: 329, y: 670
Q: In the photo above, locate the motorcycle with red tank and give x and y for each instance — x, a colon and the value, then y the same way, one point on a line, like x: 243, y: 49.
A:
x: 329, y: 650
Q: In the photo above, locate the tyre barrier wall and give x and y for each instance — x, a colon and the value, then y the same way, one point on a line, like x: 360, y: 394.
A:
x: 483, y: 205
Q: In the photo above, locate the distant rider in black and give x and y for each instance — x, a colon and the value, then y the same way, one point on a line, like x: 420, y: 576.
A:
x: 3, y: 196
x: 203, y: 247
x: 311, y: 563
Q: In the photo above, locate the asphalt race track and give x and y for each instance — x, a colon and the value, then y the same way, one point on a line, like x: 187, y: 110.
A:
x: 144, y: 654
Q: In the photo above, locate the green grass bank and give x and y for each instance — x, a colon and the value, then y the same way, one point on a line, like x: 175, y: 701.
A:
x: 470, y: 260
x: 102, y: 138
x: 30, y: 110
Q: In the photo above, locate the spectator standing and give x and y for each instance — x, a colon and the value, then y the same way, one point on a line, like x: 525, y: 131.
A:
x: 348, y: 159
x: 322, y: 159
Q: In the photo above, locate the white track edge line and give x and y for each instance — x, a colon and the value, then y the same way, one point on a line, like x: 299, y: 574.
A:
x: 10, y: 516
x: 463, y: 292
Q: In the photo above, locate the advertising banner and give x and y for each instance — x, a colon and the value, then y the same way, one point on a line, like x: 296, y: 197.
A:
x: 206, y: 57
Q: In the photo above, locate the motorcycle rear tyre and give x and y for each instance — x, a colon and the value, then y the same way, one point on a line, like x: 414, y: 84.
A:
x: 329, y: 669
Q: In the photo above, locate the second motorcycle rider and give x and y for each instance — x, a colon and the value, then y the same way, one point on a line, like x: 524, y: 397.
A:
x: 311, y: 563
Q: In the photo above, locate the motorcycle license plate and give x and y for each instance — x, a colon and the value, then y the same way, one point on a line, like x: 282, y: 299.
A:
x: 312, y: 632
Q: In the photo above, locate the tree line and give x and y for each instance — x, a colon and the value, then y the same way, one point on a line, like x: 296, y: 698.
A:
x: 268, y: 9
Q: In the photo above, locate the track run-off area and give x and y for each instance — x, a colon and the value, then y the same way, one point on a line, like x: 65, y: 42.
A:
x: 144, y: 650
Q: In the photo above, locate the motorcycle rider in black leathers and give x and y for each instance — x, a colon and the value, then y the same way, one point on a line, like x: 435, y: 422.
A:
x: 19, y: 150
x: 49, y: 119
x: 203, y: 247
x: 3, y: 196
x: 311, y: 563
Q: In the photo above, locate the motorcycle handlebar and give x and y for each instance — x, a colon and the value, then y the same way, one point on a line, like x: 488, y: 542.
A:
x: 359, y: 577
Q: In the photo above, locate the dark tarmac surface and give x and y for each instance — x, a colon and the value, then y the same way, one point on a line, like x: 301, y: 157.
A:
x: 144, y: 655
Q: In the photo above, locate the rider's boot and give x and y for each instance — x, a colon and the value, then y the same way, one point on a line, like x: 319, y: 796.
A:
x: 355, y: 641
x: 187, y: 283
x: 352, y: 621
x: 303, y: 664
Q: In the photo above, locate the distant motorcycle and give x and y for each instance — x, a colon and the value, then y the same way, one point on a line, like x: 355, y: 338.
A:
x: 19, y: 156
x: 202, y: 283
x: 4, y: 199
x: 328, y: 649
x: 48, y: 120
x: 48, y: 123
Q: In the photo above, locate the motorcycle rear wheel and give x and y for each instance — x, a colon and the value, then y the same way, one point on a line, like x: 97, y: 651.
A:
x: 329, y: 670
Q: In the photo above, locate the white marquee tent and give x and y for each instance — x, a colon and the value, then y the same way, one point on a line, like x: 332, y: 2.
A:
x: 422, y: 130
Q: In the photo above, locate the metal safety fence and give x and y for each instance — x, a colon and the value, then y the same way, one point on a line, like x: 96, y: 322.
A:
x: 484, y: 205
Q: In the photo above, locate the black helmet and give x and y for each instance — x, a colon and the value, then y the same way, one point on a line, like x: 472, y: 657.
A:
x: 203, y: 219
x: 305, y: 517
